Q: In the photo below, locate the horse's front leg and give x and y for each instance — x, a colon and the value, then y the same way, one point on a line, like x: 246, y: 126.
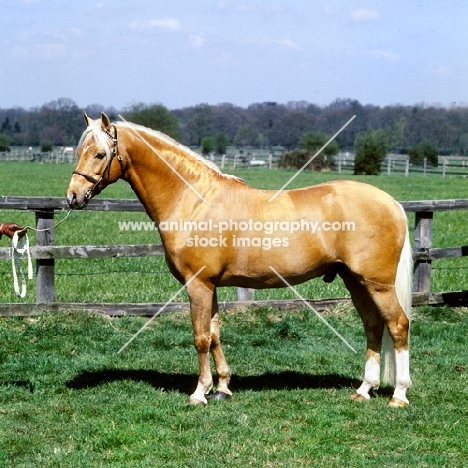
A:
x: 222, y: 368
x: 201, y: 298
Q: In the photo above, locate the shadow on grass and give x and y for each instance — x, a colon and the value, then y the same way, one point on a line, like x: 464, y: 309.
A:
x: 27, y: 384
x: 186, y: 383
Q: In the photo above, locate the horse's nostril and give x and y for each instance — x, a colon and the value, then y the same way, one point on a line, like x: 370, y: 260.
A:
x: 71, y: 199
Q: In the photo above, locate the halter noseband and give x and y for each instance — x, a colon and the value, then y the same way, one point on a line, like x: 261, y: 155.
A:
x: 98, y: 182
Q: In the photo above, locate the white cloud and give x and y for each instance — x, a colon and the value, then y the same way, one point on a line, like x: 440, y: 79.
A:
x: 287, y: 44
x: 385, y: 54
x: 223, y: 5
x: 196, y: 41
x: 48, y: 51
x: 328, y: 10
x: 168, y: 24
x: 52, y: 51
x: 283, y: 43
x: 364, y: 14
x: 438, y: 71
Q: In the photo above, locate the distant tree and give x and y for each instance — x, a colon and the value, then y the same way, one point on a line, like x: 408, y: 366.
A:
x: 287, y: 130
x: 246, y: 136
x: 228, y: 119
x: 313, y: 141
x: 207, y: 145
x: 220, y: 142
x: 199, y: 123
x: 395, y: 133
x: 6, y: 126
x: 276, y: 124
x: 371, y: 149
x: 60, y: 122
x: 154, y: 116
x: 463, y: 144
x: 424, y: 150
x: 309, y: 144
x: 5, y: 142
x: 46, y: 147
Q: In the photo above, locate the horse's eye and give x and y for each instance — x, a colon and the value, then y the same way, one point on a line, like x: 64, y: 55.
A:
x: 100, y: 155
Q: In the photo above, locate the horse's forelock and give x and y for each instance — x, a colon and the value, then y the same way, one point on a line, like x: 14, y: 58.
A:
x: 95, y: 131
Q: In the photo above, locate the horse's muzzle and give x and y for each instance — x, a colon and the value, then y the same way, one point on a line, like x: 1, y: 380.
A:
x: 76, y: 203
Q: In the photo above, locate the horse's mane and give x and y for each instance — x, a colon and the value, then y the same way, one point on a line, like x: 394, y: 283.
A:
x: 103, y: 140
x: 170, y: 141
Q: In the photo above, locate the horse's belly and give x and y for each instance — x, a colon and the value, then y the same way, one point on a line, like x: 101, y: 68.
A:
x: 273, y: 269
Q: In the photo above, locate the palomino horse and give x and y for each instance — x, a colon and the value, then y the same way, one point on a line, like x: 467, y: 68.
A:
x: 218, y: 231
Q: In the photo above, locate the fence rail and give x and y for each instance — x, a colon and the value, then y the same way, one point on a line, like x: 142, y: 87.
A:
x: 45, y: 253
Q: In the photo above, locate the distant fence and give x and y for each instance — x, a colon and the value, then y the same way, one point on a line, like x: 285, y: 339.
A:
x: 45, y: 253
x: 61, y: 154
x: 254, y: 158
x: 400, y: 164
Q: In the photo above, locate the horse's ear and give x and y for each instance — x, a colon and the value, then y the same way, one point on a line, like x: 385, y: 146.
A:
x: 88, y: 120
x: 105, y: 122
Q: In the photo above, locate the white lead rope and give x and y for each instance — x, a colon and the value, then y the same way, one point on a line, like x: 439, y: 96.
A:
x: 18, y: 249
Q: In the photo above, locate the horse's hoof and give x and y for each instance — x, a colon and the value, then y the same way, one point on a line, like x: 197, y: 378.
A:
x: 358, y: 397
x: 197, y: 402
x: 397, y: 403
x: 220, y: 396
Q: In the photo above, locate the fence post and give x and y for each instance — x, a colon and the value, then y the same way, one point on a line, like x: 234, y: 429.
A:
x: 45, y: 268
x: 407, y: 168
x: 444, y: 165
x: 270, y: 161
x: 245, y: 294
x: 389, y: 166
x: 422, y: 241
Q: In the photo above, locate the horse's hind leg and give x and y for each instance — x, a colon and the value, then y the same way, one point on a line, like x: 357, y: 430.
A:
x: 373, y: 327
x: 397, y: 324
x: 378, y: 305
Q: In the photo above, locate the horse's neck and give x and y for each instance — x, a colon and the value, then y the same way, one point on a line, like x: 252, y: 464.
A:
x: 167, y: 179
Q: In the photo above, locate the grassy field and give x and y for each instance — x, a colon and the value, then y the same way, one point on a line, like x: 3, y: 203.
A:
x: 68, y: 400
x: 148, y: 280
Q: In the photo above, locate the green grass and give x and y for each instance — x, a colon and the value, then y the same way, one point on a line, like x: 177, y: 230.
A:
x: 67, y: 399
x: 148, y: 280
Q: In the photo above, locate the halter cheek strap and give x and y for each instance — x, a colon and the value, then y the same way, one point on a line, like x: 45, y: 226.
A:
x: 98, y: 182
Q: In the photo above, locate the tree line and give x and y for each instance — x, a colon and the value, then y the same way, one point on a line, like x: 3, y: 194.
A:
x: 261, y: 125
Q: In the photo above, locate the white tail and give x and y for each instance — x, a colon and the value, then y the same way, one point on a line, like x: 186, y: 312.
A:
x: 403, y: 287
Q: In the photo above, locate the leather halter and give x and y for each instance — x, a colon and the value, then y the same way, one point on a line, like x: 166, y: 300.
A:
x: 98, y: 182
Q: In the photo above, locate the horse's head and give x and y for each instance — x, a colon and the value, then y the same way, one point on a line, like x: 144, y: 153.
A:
x: 96, y: 168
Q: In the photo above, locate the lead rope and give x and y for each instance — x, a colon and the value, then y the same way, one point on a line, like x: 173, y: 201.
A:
x: 18, y: 249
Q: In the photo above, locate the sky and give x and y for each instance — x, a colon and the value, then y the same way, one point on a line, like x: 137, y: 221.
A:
x: 183, y: 53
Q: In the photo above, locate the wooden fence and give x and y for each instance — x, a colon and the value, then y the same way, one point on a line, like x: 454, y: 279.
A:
x: 45, y: 253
